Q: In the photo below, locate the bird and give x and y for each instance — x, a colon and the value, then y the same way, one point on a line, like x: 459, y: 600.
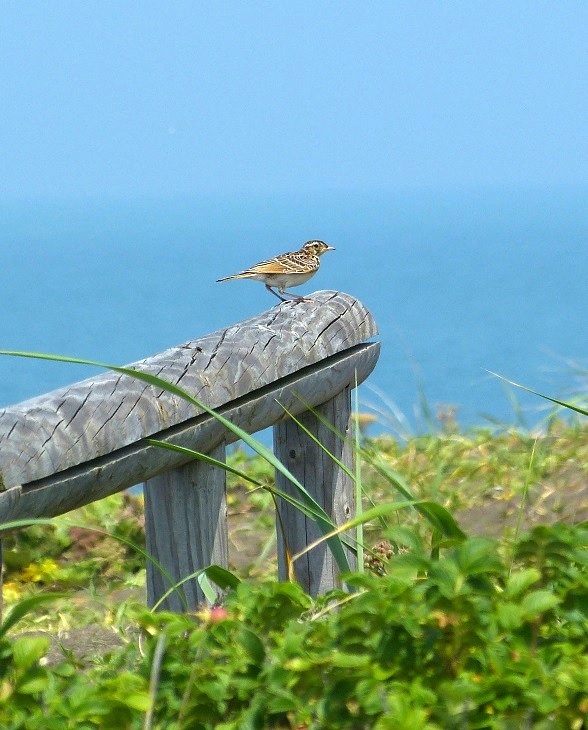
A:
x: 286, y: 270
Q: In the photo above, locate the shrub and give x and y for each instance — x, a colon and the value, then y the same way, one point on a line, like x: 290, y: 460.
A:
x: 471, y: 639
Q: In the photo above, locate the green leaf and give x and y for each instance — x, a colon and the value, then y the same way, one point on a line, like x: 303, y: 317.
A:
x: 406, y: 537
x: 520, y: 581
x: 137, y: 701
x: 477, y: 556
x: 281, y: 700
x: 510, y: 615
x: 222, y: 577
x: 538, y: 602
x: 206, y: 587
x: 128, y: 689
x: 252, y: 645
x: 349, y: 661
x: 27, y: 650
x: 447, y: 577
x: 34, y: 685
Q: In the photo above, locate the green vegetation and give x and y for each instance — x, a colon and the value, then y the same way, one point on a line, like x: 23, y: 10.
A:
x: 448, y: 643
x: 487, y: 632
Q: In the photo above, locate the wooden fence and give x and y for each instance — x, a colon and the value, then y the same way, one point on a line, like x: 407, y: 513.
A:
x: 81, y: 443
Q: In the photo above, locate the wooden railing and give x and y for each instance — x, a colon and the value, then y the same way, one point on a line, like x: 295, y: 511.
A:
x: 81, y: 443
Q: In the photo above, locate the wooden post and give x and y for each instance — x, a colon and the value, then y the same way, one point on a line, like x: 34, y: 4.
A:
x: 316, y: 571
x: 186, y: 528
x: 87, y: 440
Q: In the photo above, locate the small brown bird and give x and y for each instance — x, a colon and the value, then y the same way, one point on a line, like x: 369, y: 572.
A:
x: 288, y: 269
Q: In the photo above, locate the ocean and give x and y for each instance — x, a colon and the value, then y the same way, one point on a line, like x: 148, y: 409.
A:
x: 460, y: 282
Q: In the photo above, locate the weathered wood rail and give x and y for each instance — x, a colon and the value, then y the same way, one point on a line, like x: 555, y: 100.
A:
x: 81, y: 443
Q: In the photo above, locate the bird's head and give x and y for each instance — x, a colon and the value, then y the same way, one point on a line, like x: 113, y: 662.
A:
x: 316, y: 248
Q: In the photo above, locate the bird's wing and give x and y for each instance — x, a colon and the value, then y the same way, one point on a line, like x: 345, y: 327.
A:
x: 271, y: 266
x: 287, y: 263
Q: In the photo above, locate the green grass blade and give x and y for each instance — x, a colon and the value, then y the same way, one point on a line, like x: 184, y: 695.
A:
x: 223, y: 578
x: 202, y: 575
x: 437, y: 516
x: 357, y: 481
x: 558, y: 402
x: 207, y: 459
x: 367, y: 516
x: 307, y: 510
x: 309, y: 433
x: 521, y: 511
x: 356, y: 444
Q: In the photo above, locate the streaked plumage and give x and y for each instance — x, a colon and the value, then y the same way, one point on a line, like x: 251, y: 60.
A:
x: 287, y: 270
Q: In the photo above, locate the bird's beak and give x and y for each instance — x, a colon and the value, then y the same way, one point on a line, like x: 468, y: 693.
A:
x: 330, y: 248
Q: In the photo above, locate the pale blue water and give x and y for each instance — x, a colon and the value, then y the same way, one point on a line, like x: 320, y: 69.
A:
x: 458, y: 282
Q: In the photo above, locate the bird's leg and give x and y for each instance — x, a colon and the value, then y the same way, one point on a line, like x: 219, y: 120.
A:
x: 296, y: 298
x: 275, y: 293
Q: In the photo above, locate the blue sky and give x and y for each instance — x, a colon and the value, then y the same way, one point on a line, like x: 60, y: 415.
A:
x: 168, y: 98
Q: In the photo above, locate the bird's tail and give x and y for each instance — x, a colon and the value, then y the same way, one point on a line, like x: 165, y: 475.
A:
x: 234, y: 276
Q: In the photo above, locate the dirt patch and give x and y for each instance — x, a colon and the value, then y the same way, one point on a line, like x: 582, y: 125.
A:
x: 561, y: 498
